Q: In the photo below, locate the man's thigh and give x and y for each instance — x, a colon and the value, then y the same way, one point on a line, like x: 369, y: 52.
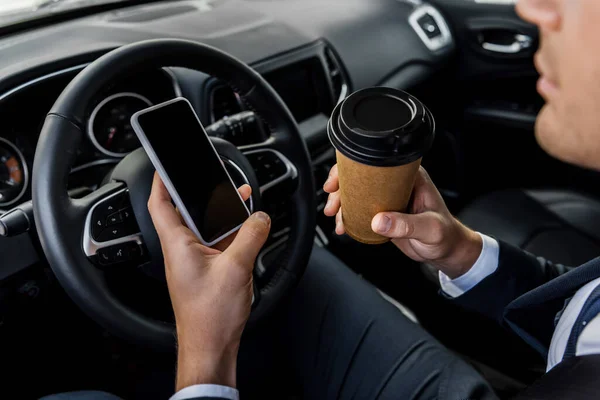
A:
x: 347, y: 342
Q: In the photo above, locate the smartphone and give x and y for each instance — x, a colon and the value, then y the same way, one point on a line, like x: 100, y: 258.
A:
x: 191, y: 169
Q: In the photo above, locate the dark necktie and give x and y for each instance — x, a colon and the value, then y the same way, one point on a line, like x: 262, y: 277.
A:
x: 590, y: 310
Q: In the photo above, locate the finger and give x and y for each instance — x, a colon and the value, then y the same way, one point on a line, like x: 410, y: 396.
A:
x: 427, y: 227
x: 332, y: 184
x: 425, y: 194
x: 333, y: 204
x: 163, y: 213
x: 245, y: 191
x: 250, y: 238
x: 339, y: 223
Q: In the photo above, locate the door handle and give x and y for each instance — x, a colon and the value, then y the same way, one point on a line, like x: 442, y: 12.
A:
x: 520, y: 43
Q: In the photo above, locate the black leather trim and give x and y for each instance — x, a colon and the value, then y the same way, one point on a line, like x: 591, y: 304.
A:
x: 509, y: 215
x: 578, y: 210
x: 558, y: 225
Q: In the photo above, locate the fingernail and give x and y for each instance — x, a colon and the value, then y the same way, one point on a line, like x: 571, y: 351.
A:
x: 338, y: 225
x: 327, y: 181
x: 263, y: 217
x: 384, y: 224
x: 328, y: 203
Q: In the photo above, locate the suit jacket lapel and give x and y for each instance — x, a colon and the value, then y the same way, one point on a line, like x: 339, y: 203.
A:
x: 531, y: 315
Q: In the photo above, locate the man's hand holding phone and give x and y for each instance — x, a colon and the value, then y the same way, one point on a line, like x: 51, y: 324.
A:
x: 428, y: 234
x: 210, y: 288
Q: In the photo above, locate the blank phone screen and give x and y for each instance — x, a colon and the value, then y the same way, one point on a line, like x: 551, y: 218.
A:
x: 194, y: 169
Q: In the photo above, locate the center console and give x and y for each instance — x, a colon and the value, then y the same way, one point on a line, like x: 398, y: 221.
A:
x: 311, y: 81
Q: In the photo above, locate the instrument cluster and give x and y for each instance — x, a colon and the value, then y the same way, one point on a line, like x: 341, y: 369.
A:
x: 109, y: 135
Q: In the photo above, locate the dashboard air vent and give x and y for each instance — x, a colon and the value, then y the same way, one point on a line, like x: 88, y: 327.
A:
x: 338, y: 80
x: 224, y: 102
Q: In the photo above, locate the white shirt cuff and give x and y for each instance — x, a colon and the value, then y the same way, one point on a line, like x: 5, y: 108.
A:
x: 486, y: 264
x: 195, y: 391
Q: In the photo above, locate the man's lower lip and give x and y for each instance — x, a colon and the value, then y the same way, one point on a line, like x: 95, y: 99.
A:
x: 546, y: 87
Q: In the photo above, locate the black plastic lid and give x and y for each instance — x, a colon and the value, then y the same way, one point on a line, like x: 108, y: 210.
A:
x: 381, y: 126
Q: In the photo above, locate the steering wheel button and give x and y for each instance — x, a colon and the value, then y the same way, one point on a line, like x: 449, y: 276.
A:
x: 111, y: 233
x: 129, y: 225
x: 134, y: 250
x: 120, y: 253
x: 127, y: 214
x: 105, y: 256
x: 109, y: 207
x: 97, y: 227
x: 115, y: 218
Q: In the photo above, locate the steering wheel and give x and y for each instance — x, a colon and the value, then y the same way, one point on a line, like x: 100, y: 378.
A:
x: 65, y: 224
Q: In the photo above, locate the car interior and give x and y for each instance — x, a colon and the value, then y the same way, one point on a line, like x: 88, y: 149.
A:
x: 83, y: 298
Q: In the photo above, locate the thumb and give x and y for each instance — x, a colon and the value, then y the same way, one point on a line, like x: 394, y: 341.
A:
x: 427, y: 227
x: 251, y: 238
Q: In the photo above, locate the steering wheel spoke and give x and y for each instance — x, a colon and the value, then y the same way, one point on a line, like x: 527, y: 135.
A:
x: 111, y: 234
x: 272, y: 168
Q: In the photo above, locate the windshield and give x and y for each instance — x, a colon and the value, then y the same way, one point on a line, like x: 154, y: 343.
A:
x: 15, y: 11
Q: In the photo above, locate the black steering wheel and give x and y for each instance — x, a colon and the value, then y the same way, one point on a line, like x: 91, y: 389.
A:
x: 63, y: 223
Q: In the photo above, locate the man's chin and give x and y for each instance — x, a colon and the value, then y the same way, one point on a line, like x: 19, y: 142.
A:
x: 559, y: 142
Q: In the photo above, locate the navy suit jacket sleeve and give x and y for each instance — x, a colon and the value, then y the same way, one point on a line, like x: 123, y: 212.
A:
x: 518, y: 272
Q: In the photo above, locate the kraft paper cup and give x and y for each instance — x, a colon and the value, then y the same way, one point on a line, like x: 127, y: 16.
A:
x: 380, y: 135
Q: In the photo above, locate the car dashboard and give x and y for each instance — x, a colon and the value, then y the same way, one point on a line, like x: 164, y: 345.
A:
x: 313, y: 53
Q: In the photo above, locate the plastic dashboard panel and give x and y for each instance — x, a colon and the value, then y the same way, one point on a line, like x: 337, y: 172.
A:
x: 197, y: 87
x: 372, y: 38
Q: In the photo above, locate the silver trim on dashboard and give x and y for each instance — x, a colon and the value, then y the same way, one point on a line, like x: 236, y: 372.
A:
x: 343, y: 93
x: 262, y: 145
x: 174, y: 81
x: 436, y: 43
x: 291, y: 171
x: 25, y: 169
x: 333, y: 59
x: 16, y: 89
x: 321, y: 236
x: 42, y: 78
x: 92, y: 119
x: 260, y: 265
x: 90, y: 246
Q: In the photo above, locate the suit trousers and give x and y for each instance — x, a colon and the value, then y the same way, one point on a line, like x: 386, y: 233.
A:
x: 338, y: 338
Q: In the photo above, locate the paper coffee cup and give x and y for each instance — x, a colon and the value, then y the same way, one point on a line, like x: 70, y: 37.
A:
x: 380, y: 135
